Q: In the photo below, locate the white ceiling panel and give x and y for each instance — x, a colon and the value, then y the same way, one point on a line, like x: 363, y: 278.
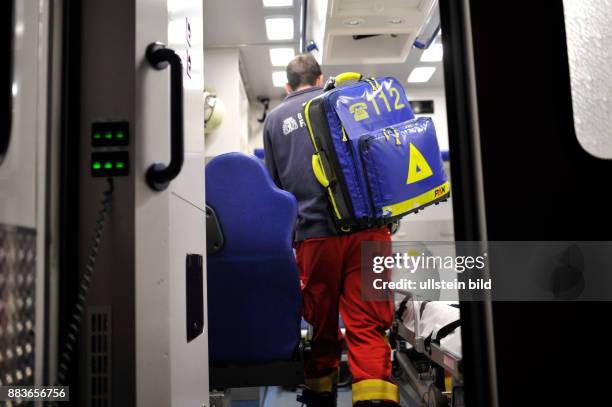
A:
x: 241, y: 24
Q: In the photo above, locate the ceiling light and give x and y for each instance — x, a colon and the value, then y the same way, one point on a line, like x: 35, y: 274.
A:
x: 279, y: 28
x: 279, y: 79
x: 395, y: 21
x: 281, y: 56
x: 277, y: 3
x: 421, y: 74
x: 432, y: 54
x: 354, y: 21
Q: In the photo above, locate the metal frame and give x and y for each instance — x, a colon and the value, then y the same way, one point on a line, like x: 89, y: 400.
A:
x: 469, y: 216
x: 68, y: 144
x: 52, y: 192
x: 24, y: 176
x: 435, y: 352
x: 422, y: 387
x: 8, y: 12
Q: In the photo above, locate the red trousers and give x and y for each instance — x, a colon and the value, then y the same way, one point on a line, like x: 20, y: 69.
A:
x: 330, y: 269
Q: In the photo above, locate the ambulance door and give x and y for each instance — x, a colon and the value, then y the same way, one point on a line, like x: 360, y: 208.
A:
x: 526, y: 86
x: 23, y: 135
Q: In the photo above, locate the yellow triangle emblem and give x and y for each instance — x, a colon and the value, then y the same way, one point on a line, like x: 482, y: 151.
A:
x: 418, y: 169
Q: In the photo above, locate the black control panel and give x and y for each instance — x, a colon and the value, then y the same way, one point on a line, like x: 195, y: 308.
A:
x: 109, y: 157
x: 110, y: 134
x: 110, y: 164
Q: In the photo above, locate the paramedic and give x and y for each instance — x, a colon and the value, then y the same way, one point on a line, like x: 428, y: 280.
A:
x: 329, y: 263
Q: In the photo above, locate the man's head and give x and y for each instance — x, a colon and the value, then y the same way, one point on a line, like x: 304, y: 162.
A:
x: 303, y: 72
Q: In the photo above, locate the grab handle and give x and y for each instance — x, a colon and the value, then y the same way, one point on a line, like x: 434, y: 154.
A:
x: 159, y: 175
x: 424, y: 44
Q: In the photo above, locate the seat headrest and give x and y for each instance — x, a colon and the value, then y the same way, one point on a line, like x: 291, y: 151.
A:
x: 256, y: 217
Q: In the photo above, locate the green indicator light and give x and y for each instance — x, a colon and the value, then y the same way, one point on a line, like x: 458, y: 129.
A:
x: 119, y: 164
x: 108, y: 165
x: 108, y: 135
x: 119, y: 135
x: 97, y: 136
x: 96, y: 165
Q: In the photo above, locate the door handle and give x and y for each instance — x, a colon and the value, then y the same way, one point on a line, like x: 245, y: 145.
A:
x: 159, y: 175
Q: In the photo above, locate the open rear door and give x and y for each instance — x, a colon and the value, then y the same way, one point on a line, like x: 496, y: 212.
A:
x: 24, y: 28
x: 520, y: 173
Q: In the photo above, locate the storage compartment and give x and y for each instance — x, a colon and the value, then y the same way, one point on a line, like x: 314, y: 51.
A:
x: 349, y: 32
x: 370, y: 48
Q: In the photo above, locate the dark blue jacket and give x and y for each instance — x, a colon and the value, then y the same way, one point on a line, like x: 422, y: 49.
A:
x: 288, y: 155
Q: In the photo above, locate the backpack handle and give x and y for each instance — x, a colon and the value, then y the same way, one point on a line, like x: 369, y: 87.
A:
x: 332, y: 82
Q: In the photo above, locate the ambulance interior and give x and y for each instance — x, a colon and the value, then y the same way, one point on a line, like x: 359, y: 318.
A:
x: 147, y: 259
x: 386, y: 38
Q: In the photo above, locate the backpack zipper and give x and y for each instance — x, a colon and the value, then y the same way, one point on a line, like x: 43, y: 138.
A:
x: 355, y: 172
x: 363, y: 148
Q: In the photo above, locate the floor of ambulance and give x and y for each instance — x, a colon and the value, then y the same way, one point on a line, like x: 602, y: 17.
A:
x: 279, y: 397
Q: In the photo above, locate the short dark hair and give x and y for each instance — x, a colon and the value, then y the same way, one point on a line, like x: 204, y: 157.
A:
x: 303, y: 70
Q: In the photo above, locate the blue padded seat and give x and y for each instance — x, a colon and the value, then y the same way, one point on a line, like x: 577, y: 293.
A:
x: 254, y: 297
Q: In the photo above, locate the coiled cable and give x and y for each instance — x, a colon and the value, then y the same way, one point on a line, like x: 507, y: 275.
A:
x: 76, y: 319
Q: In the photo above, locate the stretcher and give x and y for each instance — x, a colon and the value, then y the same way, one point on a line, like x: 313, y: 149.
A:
x: 427, y: 340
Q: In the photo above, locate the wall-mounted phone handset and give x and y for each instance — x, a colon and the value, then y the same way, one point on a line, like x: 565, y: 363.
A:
x: 159, y: 57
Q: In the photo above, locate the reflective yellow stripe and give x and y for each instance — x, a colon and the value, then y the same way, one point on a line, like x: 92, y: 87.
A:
x: 322, y: 384
x: 375, y: 389
x: 448, y: 383
x: 423, y: 199
x: 314, y: 143
x: 344, y: 136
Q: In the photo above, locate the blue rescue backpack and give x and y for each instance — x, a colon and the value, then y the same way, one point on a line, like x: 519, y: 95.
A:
x: 376, y: 160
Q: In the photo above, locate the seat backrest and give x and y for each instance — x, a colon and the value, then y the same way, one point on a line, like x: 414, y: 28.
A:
x: 257, y: 217
x: 254, y: 297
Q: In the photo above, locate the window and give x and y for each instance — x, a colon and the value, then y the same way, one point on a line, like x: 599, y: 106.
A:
x: 588, y: 27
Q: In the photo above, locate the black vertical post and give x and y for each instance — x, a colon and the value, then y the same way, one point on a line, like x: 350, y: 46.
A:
x: 476, y: 331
